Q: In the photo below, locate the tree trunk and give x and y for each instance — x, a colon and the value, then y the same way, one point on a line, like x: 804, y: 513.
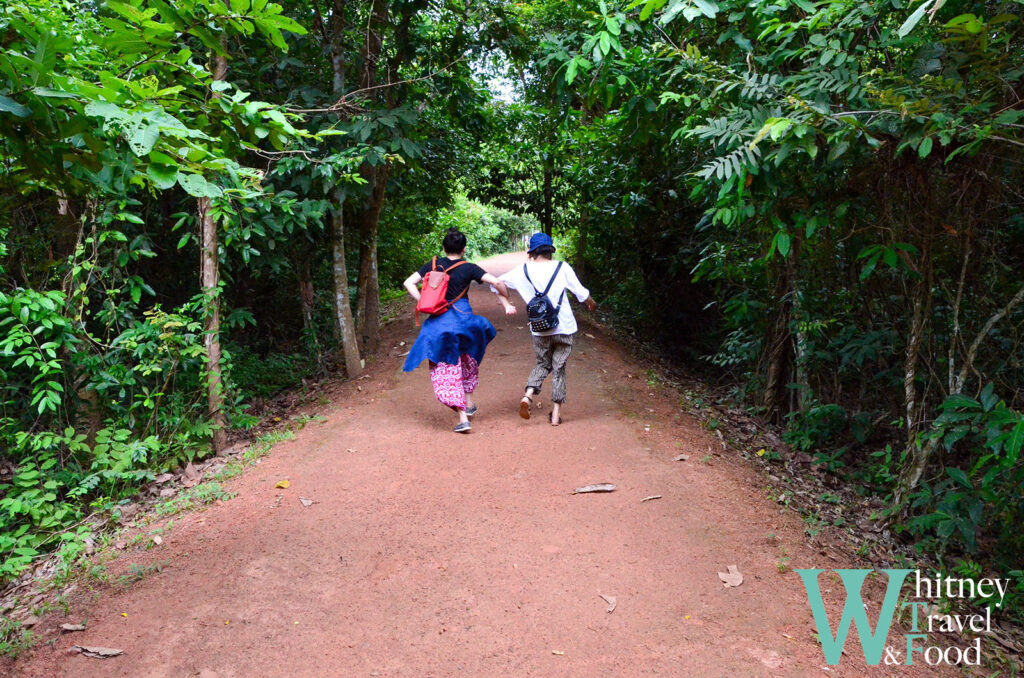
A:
x: 546, y: 221
x: 209, y: 280
x: 301, y: 256
x: 344, y: 325
x: 367, y: 285
x: 778, y: 355
x: 342, y: 307
x: 802, y: 394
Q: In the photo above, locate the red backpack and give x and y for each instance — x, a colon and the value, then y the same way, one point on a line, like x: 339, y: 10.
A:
x: 435, y: 288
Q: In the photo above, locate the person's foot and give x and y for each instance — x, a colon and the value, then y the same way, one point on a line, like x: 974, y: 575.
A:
x: 470, y: 411
x: 462, y: 427
x: 555, y: 416
x: 524, y: 406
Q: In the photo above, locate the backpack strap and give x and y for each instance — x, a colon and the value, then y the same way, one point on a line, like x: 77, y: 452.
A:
x: 460, y: 263
x: 561, y: 298
x: 527, y: 274
x: 552, y: 281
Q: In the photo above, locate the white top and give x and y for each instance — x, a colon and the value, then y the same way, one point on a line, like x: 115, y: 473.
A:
x: 541, y: 271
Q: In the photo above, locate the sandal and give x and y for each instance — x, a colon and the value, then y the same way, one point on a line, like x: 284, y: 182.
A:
x: 462, y: 427
x: 551, y: 419
x: 471, y: 412
x: 524, y: 406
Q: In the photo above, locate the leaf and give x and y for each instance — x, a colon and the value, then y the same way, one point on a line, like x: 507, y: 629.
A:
x: 988, y: 397
x: 45, y: 57
x: 925, y: 147
x: 782, y: 243
x: 143, y: 139
x: 707, y: 7
x: 283, y: 484
x: 681, y: 457
x: 611, y: 600
x: 959, y: 476
x: 732, y: 578
x: 957, y: 401
x: 9, y: 105
x: 97, y: 652
x: 162, y: 176
x: 570, y: 72
x: 913, y: 19
x: 197, y: 186
x: 1015, y: 441
x: 599, y: 487
x: 157, y: 539
x: 306, y: 502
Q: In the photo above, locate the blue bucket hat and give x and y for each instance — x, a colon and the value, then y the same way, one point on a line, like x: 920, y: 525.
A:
x: 539, y: 240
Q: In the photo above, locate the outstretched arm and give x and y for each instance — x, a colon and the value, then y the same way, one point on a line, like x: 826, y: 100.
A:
x: 411, y: 285
x: 502, y: 291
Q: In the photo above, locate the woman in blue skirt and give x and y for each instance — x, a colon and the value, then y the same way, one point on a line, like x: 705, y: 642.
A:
x: 453, y: 342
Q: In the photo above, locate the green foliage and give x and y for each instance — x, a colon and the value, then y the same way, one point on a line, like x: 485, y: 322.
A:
x: 489, y: 230
x: 265, y: 376
x: 817, y: 199
x: 103, y: 110
x: 979, y: 498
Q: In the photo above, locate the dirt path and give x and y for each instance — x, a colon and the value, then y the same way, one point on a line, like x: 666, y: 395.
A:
x: 432, y: 554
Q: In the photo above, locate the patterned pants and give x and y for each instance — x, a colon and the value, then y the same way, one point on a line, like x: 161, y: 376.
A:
x: 452, y: 382
x: 552, y: 353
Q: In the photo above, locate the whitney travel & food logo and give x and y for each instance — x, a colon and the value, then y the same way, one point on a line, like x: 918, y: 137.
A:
x: 915, y: 645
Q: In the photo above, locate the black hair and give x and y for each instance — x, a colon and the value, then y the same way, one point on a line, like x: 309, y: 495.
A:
x: 543, y: 251
x: 454, y: 242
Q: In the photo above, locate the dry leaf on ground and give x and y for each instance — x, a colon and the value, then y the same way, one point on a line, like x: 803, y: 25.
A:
x: 681, y: 457
x: 599, y: 487
x: 283, y: 484
x: 98, y: 652
x: 732, y: 578
x: 612, y: 602
x: 157, y: 539
x: 306, y: 502
x: 68, y: 628
x: 651, y: 498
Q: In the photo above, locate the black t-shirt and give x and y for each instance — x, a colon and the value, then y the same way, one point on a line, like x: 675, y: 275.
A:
x: 459, y: 278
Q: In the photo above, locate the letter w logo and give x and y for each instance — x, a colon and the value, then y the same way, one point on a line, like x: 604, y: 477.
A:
x: 871, y: 643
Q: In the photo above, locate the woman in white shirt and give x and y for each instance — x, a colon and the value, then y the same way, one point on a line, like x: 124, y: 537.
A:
x: 551, y: 346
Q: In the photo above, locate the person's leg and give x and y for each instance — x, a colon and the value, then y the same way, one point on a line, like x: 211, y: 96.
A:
x: 470, y: 380
x: 542, y: 351
x: 447, y: 382
x: 561, y: 348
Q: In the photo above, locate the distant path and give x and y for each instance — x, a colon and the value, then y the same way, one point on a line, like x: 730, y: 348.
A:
x: 433, y: 554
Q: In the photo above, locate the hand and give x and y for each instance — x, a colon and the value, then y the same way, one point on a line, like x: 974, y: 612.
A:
x: 510, y: 310
x: 590, y: 304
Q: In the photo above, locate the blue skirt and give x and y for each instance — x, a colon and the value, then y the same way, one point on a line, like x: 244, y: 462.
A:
x: 444, y: 338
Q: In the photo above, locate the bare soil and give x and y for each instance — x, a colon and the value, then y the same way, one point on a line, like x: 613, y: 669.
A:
x: 427, y: 553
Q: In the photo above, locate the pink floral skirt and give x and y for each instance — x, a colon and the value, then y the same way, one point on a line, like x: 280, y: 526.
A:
x: 452, y: 382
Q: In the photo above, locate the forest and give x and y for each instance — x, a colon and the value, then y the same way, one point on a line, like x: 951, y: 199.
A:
x: 815, y: 206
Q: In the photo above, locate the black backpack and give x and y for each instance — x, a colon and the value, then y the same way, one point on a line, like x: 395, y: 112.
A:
x: 541, y: 315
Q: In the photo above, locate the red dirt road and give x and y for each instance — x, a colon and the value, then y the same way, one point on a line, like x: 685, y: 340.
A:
x: 433, y: 554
